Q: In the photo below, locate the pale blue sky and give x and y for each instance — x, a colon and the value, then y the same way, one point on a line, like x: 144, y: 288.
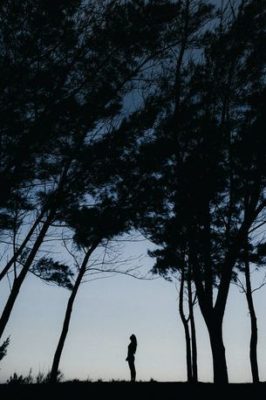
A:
x: 106, y: 313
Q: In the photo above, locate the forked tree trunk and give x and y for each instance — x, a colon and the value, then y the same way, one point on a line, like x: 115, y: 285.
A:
x: 186, y: 328
x: 213, y: 322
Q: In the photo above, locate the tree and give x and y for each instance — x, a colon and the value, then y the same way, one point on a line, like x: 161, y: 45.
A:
x: 200, y: 161
x: 152, y: 165
x: 88, y: 89
x: 55, y: 366
x: 255, y: 254
x: 219, y: 169
x: 164, y: 266
x: 92, y: 227
x: 253, y: 319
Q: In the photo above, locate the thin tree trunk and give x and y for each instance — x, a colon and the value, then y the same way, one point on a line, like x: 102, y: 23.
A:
x: 193, y: 333
x: 22, y: 246
x: 61, y: 342
x: 253, y: 321
x: 19, y: 280
x: 186, y: 328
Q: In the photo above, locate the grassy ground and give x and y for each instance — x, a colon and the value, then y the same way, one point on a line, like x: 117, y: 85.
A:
x: 123, y: 390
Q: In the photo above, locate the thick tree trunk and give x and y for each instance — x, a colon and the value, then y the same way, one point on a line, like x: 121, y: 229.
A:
x: 19, y: 280
x: 193, y: 334
x: 220, y: 374
x: 213, y: 323
x: 186, y: 329
x: 253, y: 322
x: 61, y: 342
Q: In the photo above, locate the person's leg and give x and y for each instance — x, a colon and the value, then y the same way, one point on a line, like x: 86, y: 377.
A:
x: 132, y: 370
x: 133, y: 375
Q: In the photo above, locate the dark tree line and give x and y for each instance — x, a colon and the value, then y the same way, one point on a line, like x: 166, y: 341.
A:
x: 147, y: 115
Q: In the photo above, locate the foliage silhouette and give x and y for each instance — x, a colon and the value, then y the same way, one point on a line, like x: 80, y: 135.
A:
x: 3, y: 348
x: 197, y: 151
x: 81, y: 89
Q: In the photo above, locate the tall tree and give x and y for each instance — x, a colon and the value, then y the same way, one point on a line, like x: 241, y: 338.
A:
x: 251, y: 254
x: 214, y: 178
x: 201, y: 160
x: 84, y: 90
x: 92, y: 228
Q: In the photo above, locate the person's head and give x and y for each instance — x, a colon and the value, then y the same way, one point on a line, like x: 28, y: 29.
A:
x: 133, y: 338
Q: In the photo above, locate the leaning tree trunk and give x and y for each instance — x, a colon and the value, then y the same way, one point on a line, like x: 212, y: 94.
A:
x: 38, y: 242
x: 253, y: 321
x: 22, y: 246
x: 186, y: 328
x: 20, y: 278
x: 61, y: 342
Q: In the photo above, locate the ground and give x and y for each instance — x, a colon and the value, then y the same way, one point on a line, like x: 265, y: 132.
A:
x: 123, y: 390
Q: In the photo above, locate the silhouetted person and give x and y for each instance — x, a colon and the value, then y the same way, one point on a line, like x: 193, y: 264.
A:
x: 132, y: 347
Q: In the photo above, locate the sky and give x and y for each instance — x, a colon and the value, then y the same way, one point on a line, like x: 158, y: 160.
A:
x: 106, y: 313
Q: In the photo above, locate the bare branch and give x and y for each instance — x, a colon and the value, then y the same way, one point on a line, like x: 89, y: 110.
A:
x: 240, y: 285
x: 257, y: 227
